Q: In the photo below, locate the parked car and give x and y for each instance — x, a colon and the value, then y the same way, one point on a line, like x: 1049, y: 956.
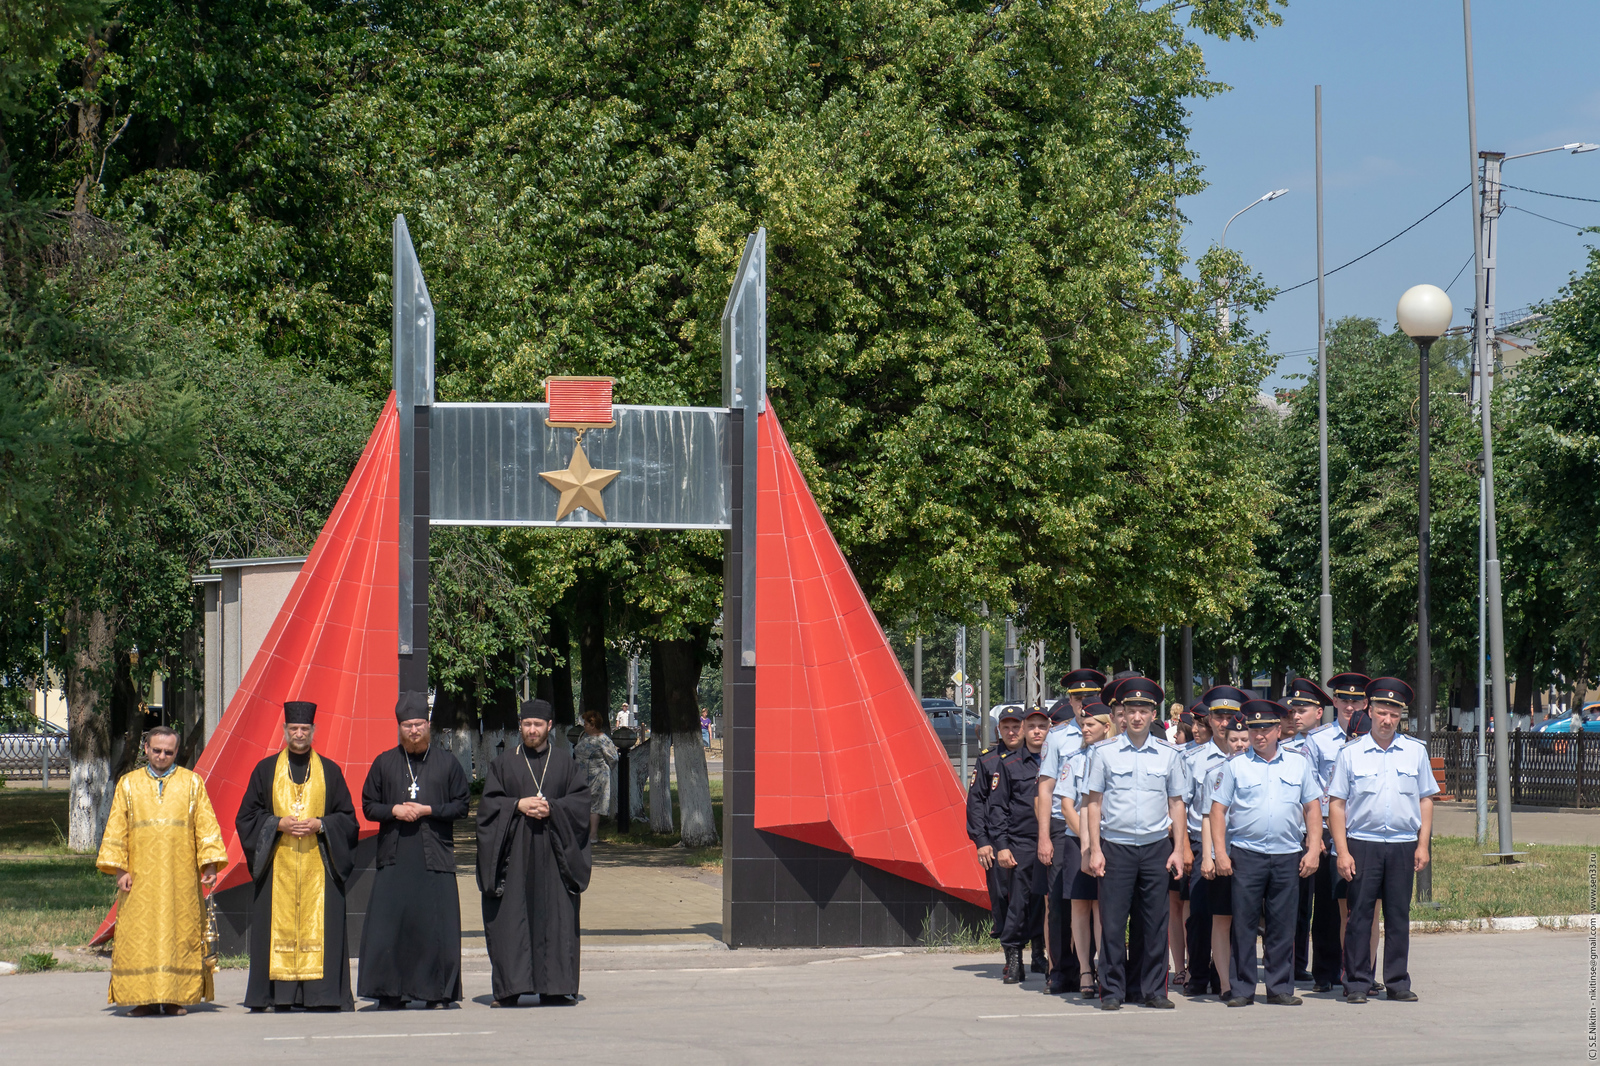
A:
x: 946, y: 721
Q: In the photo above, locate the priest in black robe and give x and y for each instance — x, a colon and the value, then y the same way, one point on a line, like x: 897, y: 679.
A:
x: 298, y: 830
x: 411, y: 942
x: 533, y: 863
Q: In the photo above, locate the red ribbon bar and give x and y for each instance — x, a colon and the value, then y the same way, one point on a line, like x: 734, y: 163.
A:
x: 579, y: 401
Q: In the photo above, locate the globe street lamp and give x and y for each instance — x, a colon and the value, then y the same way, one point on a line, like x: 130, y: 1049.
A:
x: 1222, y: 303
x: 1424, y: 314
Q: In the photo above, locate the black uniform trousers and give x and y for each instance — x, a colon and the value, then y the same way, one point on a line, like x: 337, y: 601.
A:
x: 1064, y: 965
x: 1270, y: 883
x: 997, y: 898
x: 1135, y: 883
x: 1327, y: 956
x: 1202, y: 971
x: 1384, y: 873
x: 1025, y: 885
x: 1302, y: 924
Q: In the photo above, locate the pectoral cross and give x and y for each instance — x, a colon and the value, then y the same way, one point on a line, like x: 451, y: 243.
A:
x: 413, y: 790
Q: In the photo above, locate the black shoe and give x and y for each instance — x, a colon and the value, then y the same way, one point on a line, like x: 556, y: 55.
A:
x: 438, y: 1004
x: 1110, y: 1003
x: 1240, y: 1001
x: 1284, y: 1001
x: 1303, y: 975
x: 1377, y: 986
x: 1159, y: 1002
x: 1056, y: 985
x: 391, y: 1003
x: 258, y: 1010
x: 1356, y: 997
x: 1013, y: 974
x: 282, y: 1008
x: 1088, y: 987
x: 548, y: 1000
x: 1320, y: 986
x: 508, y: 1001
x: 1040, y: 964
x: 1407, y: 996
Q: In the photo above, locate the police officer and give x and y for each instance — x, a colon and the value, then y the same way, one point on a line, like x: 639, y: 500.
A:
x: 1079, y: 686
x: 985, y: 776
x: 1082, y: 890
x: 1381, y: 809
x: 1014, y: 831
x: 1304, y: 700
x: 1348, y: 692
x: 1065, y: 736
x: 1266, y: 812
x: 1218, y: 705
x: 1135, y: 821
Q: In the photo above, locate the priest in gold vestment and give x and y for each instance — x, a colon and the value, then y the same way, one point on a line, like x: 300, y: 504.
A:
x: 164, y: 847
x: 297, y: 826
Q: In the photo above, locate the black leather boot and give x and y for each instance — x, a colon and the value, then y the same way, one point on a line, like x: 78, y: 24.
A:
x: 1040, y: 963
x: 1013, y: 966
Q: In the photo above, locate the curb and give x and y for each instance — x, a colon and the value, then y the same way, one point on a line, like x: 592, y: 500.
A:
x: 1507, y: 925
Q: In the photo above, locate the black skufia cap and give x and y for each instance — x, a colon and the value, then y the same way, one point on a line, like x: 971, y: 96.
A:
x: 411, y: 706
x: 1360, y: 723
x: 538, y: 709
x: 299, y: 712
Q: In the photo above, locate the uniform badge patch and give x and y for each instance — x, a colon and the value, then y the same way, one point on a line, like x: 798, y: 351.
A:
x: 1218, y: 782
x: 972, y: 777
x: 994, y: 782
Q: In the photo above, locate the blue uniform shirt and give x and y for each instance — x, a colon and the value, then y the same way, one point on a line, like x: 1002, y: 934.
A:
x: 1135, y: 784
x: 1323, y: 745
x: 1203, y: 762
x: 1383, y: 788
x: 1069, y: 781
x: 1266, y: 800
x: 1060, y: 742
x: 1297, y: 743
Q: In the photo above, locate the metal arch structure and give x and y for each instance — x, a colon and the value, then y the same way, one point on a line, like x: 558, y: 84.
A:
x: 843, y: 824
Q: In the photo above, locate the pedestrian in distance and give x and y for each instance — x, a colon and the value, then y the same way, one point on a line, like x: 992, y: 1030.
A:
x: 163, y: 845
x: 1135, y: 820
x: 1262, y: 802
x: 1381, y: 809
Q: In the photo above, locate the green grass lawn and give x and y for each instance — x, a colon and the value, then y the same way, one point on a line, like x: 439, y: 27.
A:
x: 49, y: 897
x: 639, y: 831
x: 1553, y: 880
x: 33, y: 821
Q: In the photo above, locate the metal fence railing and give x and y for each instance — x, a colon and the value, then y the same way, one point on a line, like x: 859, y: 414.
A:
x: 31, y: 756
x: 1547, y: 769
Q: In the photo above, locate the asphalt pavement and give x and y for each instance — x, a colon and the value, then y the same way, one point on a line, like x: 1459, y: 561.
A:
x: 1485, y: 997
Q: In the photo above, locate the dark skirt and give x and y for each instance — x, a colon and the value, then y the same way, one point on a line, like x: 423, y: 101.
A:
x: 1078, y: 883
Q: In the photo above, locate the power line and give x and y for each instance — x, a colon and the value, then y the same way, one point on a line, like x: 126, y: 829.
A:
x: 1557, y: 195
x: 1470, y: 256
x: 1390, y: 241
x: 1547, y: 218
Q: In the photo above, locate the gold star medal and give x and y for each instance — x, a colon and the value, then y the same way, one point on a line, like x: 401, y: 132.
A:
x: 580, y: 485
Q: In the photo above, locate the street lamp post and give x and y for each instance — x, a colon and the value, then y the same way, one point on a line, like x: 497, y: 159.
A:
x: 1222, y: 301
x: 1424, y: 314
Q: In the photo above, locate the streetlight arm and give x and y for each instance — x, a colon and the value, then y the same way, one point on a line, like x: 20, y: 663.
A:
x: 1224, y: 242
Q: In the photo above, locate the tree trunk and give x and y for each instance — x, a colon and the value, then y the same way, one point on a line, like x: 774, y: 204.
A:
x: 1522, y: 702
x: 680, y: 670
x: 557, y: 657
x: 90, y: 639
x: 660, y: 746
x: 591, y: 626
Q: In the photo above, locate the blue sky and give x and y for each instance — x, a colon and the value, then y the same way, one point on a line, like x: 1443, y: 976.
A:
x: 1394, y: 132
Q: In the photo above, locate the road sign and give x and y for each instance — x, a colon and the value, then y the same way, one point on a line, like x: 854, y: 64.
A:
x: 957, y: 677
x: 967, y: 689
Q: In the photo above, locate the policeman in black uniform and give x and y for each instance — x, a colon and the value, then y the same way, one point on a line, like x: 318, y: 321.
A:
x: 985, y: 776
x: 1014, y: 832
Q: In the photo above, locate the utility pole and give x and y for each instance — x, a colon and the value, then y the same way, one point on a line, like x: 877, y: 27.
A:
x: 1077, y: 651
x: 1484, y: 261
x: 1013, y: 681
x: 985, y: 700
x: 1186, y: 666
x: 1325, y: 604
x: 916, y: 666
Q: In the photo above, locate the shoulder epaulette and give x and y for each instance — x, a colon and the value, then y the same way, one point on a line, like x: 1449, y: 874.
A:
x: 1324, y: 727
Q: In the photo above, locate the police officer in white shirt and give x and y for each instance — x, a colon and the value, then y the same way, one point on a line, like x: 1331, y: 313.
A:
x: 1261, y: 805
x: 1381, y: 812
x: 1206, y: 974
x: 1134, y: 817
x: 1316, y: 937
x: 1065, y: 737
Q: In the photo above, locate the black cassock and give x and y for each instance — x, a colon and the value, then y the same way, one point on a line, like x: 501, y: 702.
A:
x: 411, y: 941
x: 531, y: 871
x: 258, y: 834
